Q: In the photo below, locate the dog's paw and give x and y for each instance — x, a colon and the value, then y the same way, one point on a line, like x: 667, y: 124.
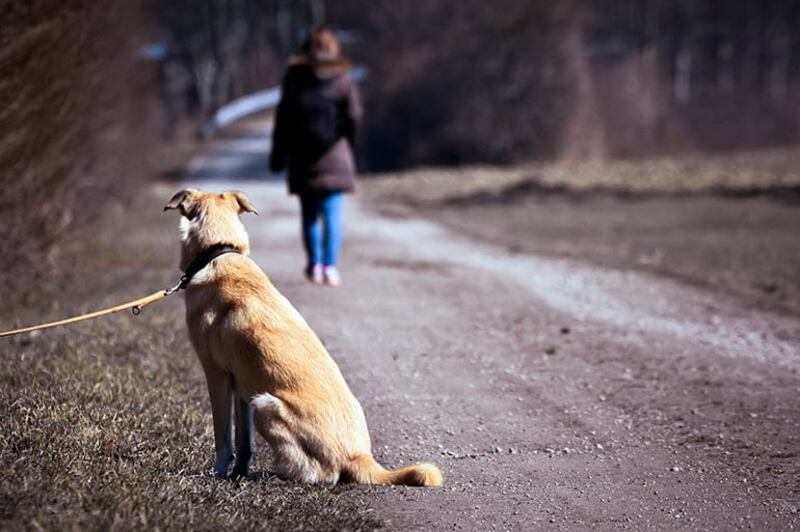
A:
x: 240, y: 471
x: 221, y: 468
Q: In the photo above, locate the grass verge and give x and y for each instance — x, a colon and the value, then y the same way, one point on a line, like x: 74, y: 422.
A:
x: 745, y: 173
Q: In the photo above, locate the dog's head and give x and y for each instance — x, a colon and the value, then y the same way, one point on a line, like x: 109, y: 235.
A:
x: 209, y: 218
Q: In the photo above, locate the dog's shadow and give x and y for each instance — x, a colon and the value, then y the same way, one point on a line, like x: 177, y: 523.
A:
x: 253, y: 476
x: 272, y: 478
x: 260, y: 476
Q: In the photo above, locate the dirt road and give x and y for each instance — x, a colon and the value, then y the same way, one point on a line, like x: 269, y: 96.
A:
x: 553, y: 394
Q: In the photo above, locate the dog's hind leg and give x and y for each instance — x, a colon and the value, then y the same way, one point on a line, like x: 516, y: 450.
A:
x: 244, y: 437
x: 220, y: 390
x: 274, y: 421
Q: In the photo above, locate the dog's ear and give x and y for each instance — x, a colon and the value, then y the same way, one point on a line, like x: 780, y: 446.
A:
x: 245, y: 205
x: 185, y: 201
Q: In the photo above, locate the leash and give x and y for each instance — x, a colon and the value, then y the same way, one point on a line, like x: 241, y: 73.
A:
x: 200, y: 261
x: 136, y: 307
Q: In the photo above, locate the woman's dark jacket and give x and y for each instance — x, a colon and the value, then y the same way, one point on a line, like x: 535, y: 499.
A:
x: 315, y: 126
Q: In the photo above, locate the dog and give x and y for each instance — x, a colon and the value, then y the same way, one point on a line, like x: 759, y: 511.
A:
x: 258, y: 353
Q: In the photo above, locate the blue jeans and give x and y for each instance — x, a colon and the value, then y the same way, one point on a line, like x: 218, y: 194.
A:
x: 322, y: 244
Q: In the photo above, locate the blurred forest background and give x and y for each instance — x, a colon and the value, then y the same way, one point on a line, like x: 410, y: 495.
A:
x: 92, y: 93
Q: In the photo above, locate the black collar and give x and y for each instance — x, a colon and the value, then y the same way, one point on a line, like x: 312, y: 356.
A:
x: 202, y: 259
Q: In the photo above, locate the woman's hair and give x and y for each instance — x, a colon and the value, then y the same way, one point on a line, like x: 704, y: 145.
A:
x: 322, y: 45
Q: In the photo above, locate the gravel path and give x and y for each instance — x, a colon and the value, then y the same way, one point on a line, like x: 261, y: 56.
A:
x: 552, y: 394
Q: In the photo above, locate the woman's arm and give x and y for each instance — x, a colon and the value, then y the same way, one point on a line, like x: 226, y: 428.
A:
x: 277, y: 157
x: 354, y: 110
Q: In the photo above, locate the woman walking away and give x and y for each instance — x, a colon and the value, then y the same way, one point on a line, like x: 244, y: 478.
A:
x: 315, y: 126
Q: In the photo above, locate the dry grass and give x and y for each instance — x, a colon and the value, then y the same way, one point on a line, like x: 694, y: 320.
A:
x: 740, y: 172
x: 106, y: 423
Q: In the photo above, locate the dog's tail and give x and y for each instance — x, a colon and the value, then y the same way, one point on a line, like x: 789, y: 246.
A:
x: 364, y: 469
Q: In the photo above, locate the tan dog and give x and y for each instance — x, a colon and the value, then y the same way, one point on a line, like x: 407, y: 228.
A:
x: 255, y: 346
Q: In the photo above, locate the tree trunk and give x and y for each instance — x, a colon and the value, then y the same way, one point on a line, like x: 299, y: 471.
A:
x: 585, y: 133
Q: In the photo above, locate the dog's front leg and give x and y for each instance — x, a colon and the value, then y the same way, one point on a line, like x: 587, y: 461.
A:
x: 220, y: 391
x: 244, y: 437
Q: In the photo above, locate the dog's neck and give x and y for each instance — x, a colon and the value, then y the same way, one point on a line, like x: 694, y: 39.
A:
x: 203, y: 259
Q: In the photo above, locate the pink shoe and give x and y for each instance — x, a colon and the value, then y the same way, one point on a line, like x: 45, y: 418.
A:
x: 331, y: 276
x: 315, y: 274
